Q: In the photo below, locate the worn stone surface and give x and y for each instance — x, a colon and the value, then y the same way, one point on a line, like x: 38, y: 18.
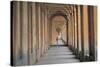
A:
x: 56, y: 55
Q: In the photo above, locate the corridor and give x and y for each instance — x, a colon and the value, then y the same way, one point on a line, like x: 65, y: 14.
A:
x: 58, y: 55
x: 52, y: 33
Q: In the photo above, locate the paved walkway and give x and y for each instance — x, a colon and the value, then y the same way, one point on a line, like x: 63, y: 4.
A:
x: 58, y: 54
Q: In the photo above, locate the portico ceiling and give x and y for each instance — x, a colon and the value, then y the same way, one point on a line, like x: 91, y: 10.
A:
x: 53, y: 8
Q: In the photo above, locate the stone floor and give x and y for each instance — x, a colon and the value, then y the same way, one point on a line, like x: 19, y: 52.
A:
x: 57, y: 55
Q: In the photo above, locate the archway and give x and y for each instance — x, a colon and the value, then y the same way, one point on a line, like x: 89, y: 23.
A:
x: 59, y: 35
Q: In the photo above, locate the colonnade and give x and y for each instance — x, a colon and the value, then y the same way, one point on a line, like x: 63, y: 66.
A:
x: 31, y: 31
x: 82, y: 32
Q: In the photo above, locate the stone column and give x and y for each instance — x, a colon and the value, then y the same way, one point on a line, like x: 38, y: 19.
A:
x: 71, y: 18
x: 95, y: 30
x: 15, y: 32
x: 69, y: 30
x: 72, y: 28
x: 79, y: 28
x: 29, y: 32
x: 24, y: 33
x: 79, y: 31
x: 37, y: 32
x: 85, y: 31
x: 39, y: 23
x: 46, y: 30
x: 82, y: 34
x: 45, y: 35
x: 92, y: 22
x: 32, y: 33
x: 75, y: 24
x: 47, y: 27
x: 42, y: 27
x: 77, y: 48
x: 40, y: 30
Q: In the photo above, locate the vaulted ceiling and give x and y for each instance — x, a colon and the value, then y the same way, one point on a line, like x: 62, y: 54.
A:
x: 59, y: 9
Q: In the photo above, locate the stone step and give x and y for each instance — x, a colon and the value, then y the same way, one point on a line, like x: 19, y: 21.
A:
x: 58, y: 61
x: 56, y: 55
x: 60, y: 53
